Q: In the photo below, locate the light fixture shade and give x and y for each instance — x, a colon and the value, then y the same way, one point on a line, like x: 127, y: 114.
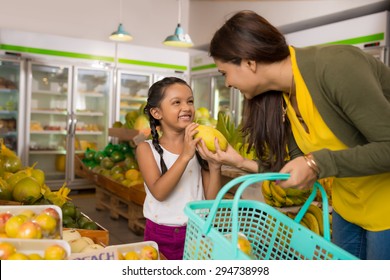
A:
x: 120, y: 35
x: 179, y: 39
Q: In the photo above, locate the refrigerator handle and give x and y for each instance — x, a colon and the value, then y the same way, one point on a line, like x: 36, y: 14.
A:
x: 72, y: 126
x: 70, y: 121
x: 74, y: 123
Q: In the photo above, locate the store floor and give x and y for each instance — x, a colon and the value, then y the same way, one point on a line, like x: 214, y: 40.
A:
x: 119, y: 233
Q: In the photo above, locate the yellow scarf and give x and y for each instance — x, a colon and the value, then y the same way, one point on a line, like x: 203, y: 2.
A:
x: 360, y: 200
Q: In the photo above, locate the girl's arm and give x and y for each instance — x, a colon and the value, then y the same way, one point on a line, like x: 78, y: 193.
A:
x: 159, y: 185
x: 211, y: 178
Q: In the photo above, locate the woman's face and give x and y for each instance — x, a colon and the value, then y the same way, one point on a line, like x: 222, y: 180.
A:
x: 242, y: 77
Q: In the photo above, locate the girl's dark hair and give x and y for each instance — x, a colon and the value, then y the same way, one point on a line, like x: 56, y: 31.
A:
x: 155, y: 96
x: 249, y: 36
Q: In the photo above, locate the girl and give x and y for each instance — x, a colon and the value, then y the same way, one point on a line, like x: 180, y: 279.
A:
x: 177, y: 174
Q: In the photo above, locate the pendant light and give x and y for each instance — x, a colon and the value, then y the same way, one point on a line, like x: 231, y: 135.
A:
x: 179, y: 38
x: 120, y: 35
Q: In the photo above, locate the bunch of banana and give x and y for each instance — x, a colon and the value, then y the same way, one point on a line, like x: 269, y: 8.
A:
x: 313, y: 219
x: 275, y: 195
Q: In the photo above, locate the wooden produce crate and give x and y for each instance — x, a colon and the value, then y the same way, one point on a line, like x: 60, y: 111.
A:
x: 10, y: 202
x: 100, y: 236
x: 121, y: 206
x: 81, y: 169
x: 134, y: 194
x: 126, y: 134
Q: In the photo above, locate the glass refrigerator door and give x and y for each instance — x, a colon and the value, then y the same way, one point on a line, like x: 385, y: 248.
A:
x: 133, y: 92
x: 47, y: 119
x: 221, y: 95
x: 11, y: 104
x: 91, y: 114
x: 201, y: 87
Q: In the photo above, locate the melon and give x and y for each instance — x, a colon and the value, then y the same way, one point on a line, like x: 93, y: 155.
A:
x: 208, y: 134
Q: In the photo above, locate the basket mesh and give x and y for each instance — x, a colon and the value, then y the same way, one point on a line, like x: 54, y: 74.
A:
x: 273, y: 235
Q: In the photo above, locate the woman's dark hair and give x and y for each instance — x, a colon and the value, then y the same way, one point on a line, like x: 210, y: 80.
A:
x: 247, y: 35
x: 156, y: 94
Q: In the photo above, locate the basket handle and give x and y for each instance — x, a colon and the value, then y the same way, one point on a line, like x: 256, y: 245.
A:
x: 254, y: 178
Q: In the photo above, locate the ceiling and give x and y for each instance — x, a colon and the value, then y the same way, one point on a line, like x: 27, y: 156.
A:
x: 150, y: 21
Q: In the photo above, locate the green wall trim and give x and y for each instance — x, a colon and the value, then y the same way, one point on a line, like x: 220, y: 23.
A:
x: 360, y: 40
x: 203, y: 67
x: 152, y: 64
x: 88, y: 56
x: 55, y: 53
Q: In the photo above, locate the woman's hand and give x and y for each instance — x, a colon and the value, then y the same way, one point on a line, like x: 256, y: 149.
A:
x: 301, y: 175
x: 229, y: 157
x: 207, y: 155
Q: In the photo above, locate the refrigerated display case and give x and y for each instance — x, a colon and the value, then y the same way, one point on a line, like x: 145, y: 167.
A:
x: 211, y: 92
x: 68, y: 110
x: 48, y: 102
x: 131, y: 92
x: 12, y: 86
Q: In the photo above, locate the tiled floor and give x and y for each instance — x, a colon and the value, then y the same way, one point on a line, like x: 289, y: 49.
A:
x: 118, y: 229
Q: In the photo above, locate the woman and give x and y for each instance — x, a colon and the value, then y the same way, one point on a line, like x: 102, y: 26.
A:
x: 314, y: 112
x: 173, y: 171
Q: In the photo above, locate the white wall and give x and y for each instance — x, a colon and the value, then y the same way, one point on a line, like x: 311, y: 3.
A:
x: 150, y: 21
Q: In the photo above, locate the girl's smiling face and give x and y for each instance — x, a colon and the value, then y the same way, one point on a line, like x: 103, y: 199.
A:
x: 177, y: 108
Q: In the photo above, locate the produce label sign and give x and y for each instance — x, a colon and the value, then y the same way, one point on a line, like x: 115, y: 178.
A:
x: 97, y: 255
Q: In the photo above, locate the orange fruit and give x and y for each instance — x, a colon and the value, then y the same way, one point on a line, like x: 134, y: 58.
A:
x: 35, y: 256
x: 55, y: 252
x: 47, y: 223
x: 131, y: 255
x: 148, y: 252
x: 18, y: 256
x: 132, y: 174
x: 13, y: 224
x: 6, y: 250
x: 39, y: 175
x: 27, y: 190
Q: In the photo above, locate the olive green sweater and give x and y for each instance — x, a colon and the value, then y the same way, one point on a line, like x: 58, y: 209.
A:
x: 351, y: 90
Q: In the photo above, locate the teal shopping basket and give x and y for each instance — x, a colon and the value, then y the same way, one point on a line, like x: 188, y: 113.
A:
x: 272, y: 234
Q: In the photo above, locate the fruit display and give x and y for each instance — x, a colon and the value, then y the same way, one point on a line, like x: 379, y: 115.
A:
x: 313, y: 219
x: 202, y: 116
x: 78, y: 243
x: 26, y: 184
x: 116, y: 162
x: 135, y: 119
x: 147, y: 250
x: 30, y: 222
x: 18, y: 249
x: 73, y: 218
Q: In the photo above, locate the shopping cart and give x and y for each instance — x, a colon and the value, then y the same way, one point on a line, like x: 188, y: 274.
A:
x: 214, y: 227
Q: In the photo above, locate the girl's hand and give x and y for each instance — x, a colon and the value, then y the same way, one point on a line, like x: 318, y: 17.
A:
x: 301, y: 175
x: 189, y: 142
